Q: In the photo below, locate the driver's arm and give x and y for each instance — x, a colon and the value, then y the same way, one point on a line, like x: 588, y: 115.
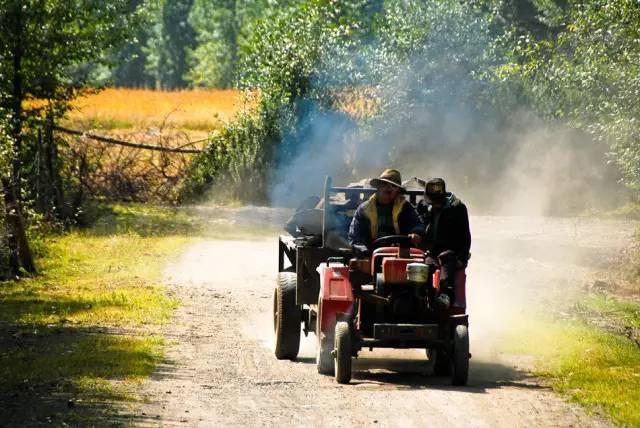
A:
x: 463, y: 244
x: 411, y: 224
x: 410, y: 221
x: 359, y: 229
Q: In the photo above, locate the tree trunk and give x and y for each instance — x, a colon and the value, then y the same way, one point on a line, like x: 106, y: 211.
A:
x: 17, y: 96
x: 20, y: 253
x: 21, y: 257
x: 12, y: 240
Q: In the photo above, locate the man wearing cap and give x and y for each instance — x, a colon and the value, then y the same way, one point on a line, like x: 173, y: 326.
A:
x: 386, y: 213
x: 447, y: 235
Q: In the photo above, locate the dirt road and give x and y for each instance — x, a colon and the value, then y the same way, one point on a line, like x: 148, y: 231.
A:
x: 221, y: 370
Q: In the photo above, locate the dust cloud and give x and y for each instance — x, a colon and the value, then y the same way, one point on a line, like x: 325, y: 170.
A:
x: 527, y: 167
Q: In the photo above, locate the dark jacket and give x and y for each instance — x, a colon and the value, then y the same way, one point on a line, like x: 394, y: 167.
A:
x: 449, y: 231
x: 364, y: 226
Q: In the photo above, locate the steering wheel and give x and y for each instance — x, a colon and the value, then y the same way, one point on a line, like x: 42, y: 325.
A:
x: 401, y: 241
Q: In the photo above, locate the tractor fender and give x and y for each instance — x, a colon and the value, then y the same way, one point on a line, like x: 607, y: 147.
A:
x: 459, y: 319
x: 461, y: 290
x: 336, y: 296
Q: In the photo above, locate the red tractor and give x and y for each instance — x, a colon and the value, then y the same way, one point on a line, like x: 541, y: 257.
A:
x: 387, y: 299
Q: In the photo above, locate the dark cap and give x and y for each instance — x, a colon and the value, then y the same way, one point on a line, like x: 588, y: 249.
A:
x: 435, y: 189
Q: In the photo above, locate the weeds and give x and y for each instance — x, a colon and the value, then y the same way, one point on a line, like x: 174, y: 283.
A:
x: 85, y: 330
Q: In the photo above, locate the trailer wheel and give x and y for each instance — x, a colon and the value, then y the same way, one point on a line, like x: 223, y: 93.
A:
x: 460, y: 357
x: 343, y: 352
x: 286, y: 317
x: 324, y: 360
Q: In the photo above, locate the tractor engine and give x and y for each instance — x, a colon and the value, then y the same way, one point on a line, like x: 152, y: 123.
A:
x: 405, y: 283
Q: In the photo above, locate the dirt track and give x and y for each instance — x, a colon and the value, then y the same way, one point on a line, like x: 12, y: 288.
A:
x: 221, y: 370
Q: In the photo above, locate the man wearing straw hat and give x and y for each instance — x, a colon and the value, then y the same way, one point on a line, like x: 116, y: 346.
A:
x: 386, y: 213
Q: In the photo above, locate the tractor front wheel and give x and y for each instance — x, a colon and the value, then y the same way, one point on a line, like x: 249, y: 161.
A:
x: 460, y: 357
x: 442, y: 363
x: 343, y: 352
x: 286, y: 317
x: 324, y: 359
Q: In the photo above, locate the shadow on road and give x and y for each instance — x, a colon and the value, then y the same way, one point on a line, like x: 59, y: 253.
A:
x: 415, y: 374
x: 412, y: 373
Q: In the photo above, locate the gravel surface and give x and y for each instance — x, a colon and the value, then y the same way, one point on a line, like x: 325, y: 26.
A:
x: 221, y: 371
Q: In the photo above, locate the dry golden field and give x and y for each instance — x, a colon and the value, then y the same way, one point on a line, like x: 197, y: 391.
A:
x: 156, y: 118
x: 121, y: 110
x: 172, y: 119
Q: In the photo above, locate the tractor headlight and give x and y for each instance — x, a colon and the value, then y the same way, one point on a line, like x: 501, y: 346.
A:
x: 417, y: 272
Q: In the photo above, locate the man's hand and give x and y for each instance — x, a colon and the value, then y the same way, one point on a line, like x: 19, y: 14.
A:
x: 415, y: 239
x: 360, y: 250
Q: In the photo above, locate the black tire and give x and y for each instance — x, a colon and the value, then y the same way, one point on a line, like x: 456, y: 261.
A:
x: 343, y: 352
x: 430, y: 353
x: 460, y: 357
x: 442, y: 363
x: 286, y: 317
x: 325, y: 362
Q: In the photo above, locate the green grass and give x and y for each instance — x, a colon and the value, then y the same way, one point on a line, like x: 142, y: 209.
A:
x: 144, y: 221
x: 87, y: 326
x: 594, y: 368
x: 631, y: 210
x: 95, y: 280
x: 149, y: 221
x: 626, y: 312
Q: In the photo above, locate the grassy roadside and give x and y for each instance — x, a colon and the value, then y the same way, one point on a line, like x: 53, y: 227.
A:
x: 590, y: 352
x: 84, y: 333
x: 594, y: 365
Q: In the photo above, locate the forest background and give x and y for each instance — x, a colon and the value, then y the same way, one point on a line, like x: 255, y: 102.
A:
x: 473, y: 90
x: 499, y: 96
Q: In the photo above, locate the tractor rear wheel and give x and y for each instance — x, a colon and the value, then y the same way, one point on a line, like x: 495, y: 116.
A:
x: 286, y: 317
x: 343, y: 352
x: 460, y: 357
x: 324, y: 360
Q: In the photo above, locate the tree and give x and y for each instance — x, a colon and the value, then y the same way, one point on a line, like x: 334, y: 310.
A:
x: 177, y: 38
x: 130, y: 61
x: 42, y: 42
x: 223, y: 28
x: 589, y: 76
x: 213, y: 60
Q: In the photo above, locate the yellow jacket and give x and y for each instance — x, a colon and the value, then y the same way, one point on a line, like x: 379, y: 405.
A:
x: 371, y: 213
